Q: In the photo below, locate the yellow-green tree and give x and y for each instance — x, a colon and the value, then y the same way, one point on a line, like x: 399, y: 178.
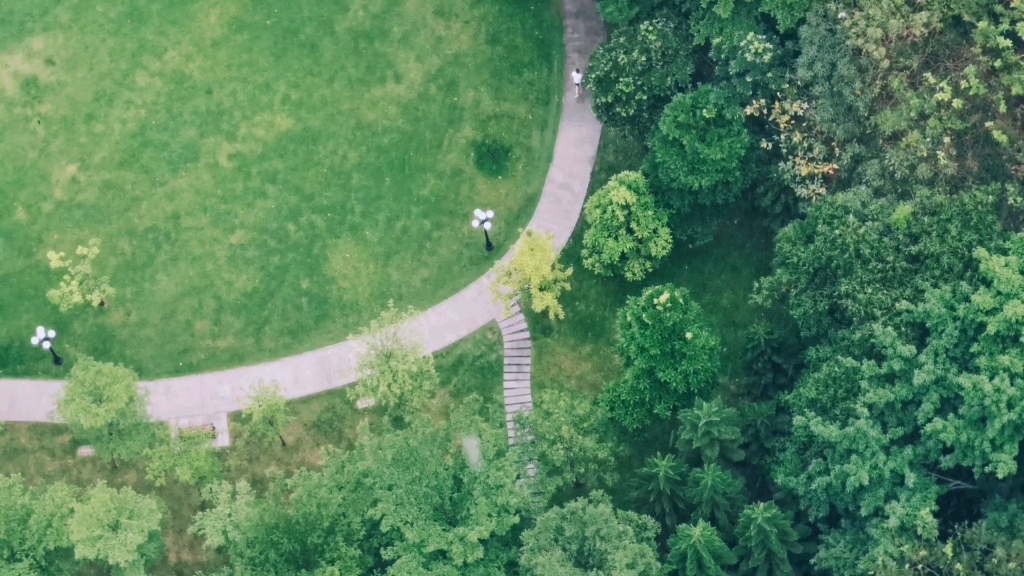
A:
x: 534, y: 273
x: 79, y: 285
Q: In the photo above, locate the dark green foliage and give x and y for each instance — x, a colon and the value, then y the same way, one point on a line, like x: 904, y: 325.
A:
x: 589, y: 536
x: 766, y: 537
x: 698, y: 550
x: 431, y: 498
x: 638, y: 72
x: 669, y: 352
x: 716, y: 495
x: 712, y: 430
x: 660, y: 486
x: 492, y: 157
x: 697, y: 157
x: 857, y: 256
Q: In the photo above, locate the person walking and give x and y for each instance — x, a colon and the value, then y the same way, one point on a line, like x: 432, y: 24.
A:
x: 577, y: 79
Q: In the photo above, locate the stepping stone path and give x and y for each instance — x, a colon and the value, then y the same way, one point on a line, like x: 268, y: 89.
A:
x: 518, y: 362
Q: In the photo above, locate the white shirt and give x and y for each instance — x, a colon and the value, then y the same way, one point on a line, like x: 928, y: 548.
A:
x: 577, y: 78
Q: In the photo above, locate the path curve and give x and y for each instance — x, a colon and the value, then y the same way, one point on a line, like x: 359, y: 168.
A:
x: 207, y: 398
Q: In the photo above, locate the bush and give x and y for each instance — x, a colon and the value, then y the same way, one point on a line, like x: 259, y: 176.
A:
x: 627, y: 233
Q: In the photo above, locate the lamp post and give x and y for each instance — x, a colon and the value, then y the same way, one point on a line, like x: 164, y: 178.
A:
x: 484, y: 219
x: 44, y: 338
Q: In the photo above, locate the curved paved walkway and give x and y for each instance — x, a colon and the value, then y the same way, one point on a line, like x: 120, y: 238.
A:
x: 206, y: 398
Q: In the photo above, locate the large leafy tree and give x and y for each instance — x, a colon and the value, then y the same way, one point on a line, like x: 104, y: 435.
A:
x: 104, y: 407
x: 427, y: 499
x: 670, y: 354
x: 660, y: 487
x: 698, y: 550
x: 766, y: 537
x: 929, y: 403
x: 715, y: 495
x: 117, y: 527
x: 697, y: 157
x: 570, y: 441
x: 590, y: 536
x: 711, y: 429
x: 637, y: 73
x: 34, y: 537
x: 396, y: 370
x: 627, y: 233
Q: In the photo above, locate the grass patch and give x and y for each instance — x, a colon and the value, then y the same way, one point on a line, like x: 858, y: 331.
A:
x: 264, y: 176
x: 46, y: 452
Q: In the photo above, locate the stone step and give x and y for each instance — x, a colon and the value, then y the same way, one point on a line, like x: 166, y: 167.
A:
x: 512, y: 394
x: 509, y: 360
x: 514, y: 319
x: 515, y: 327
x: 516, y: 384
x: 519, y: 344
x: 517, y: 368
x: 516, y: 336
x: 512, y: 352
x: 513, y: 408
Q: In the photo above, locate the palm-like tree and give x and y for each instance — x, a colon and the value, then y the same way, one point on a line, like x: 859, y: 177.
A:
x: 715, y: 494
x: 698, y: 550
x: 712, y: 429
x: 766, y: 537
x: 660, y: 485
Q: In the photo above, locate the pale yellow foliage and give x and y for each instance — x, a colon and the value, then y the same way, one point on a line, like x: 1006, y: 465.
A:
x: 535, y: 273
x: 78, y: 285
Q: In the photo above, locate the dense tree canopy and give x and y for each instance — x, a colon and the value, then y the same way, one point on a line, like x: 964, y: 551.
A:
x: 589, y: 536
x: 670, y: 354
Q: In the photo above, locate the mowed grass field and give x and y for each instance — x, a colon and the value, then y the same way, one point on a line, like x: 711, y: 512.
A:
x: 263, y: 175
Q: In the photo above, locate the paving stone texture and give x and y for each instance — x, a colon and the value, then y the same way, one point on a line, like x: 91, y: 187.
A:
x: 204, y: 399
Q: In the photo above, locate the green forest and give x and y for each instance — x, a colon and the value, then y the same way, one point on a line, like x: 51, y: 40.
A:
x: 869, y: 423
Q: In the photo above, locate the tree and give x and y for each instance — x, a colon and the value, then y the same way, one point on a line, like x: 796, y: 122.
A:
x: 712, y: 429
x: 103, y: 406
x: 589, y: 536
x: 267, y: 413
x: 570, y: 441
x: 189, y: 454
x: 715, y: 495
x: 659, y: 484
x: 118, y: 527
x: 636, y: 73
x: 534, y: 273
x: 766, y: 537
x: 669, y: 353
x: 627, y: 233
x: 78, y: 284
x: 697, y: 157
x: 396, y: 370
x: 34, y: 535
x: 698, y: 550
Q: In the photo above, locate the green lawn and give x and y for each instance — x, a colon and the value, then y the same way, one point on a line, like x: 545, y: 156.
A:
x: 579, y: 352
x: 264, y: 175
x: 46, y: 452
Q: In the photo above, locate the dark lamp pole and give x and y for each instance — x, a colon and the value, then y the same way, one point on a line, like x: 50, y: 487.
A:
x: 44, y: 339
x: 483, y: 220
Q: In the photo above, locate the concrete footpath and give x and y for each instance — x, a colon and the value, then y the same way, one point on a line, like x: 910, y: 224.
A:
x: 206, y: 398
